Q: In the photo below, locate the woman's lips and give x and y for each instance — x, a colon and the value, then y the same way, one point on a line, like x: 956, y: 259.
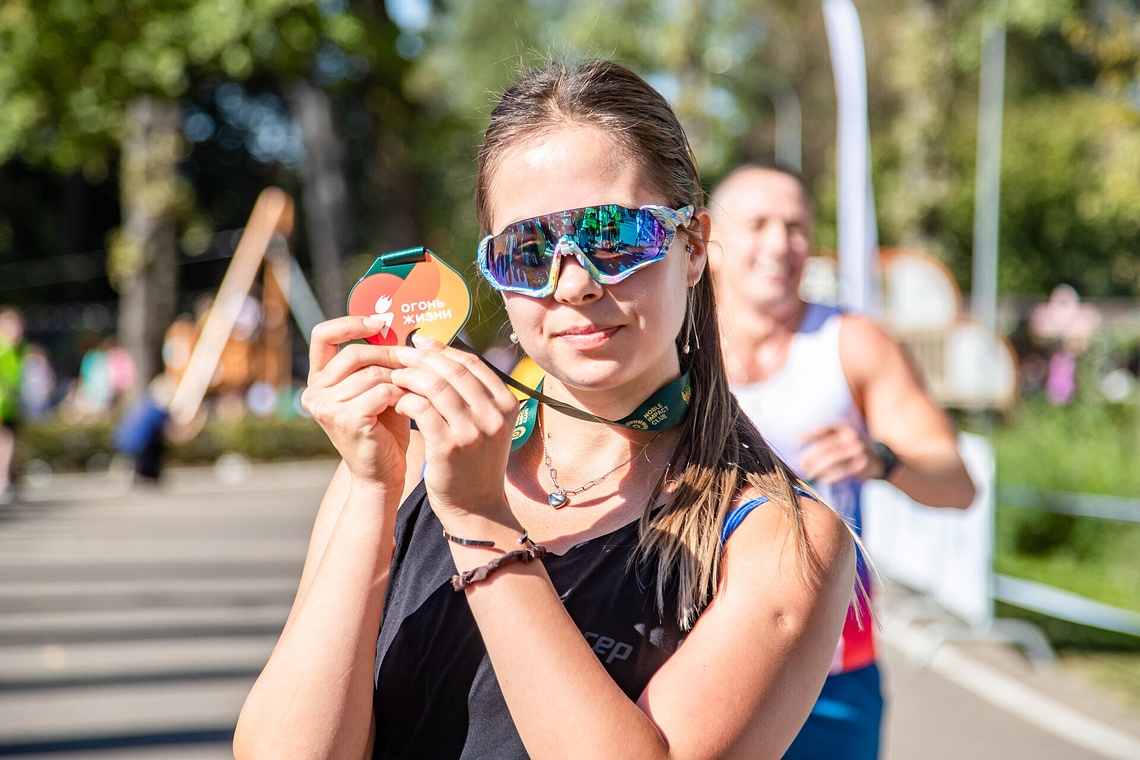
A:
x: 585, y: 338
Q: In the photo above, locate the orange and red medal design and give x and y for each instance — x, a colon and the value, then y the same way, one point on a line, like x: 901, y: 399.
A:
x: 412, y: 290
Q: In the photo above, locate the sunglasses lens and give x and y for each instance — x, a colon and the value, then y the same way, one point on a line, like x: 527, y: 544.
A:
x: 618, y: 239
x: 519, y: 258
x: 615, y: 239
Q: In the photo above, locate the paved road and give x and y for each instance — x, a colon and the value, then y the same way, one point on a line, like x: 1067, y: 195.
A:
x: 133, y: 622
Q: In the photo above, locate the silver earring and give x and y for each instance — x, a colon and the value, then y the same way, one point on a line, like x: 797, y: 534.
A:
x: 514, y: 338
x: 690, y: 248
x: 689, y: 334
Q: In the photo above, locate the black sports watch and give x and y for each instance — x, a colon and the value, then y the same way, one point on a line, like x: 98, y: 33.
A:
x: 889, y: 458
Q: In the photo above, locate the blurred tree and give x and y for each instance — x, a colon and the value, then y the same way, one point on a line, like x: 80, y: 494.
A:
x: 84, y: 83
x: 1071, y: 143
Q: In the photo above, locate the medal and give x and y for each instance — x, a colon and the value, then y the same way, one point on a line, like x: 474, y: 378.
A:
x: 409, y: 291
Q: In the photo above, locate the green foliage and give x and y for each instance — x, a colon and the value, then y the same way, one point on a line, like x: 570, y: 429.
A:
x: 1071, y: 163
x: 1081, y: 225
x: 1065, y: 636
x: 258, y: 439
x: 1071, y: 167
x: 1042, y: 533
x: 1093, y: 558
x: 69, y: 67
x: 64, y: 447
x: 1086, y: 447
x: 1070, y: 192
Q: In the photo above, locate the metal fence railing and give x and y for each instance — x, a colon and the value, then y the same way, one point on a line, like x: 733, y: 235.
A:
x: 1050, y: 600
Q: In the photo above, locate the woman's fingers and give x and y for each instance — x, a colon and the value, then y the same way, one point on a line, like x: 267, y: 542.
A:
x: 456, y: 400
x: 318, y: 401
x: 357, y: 358
x: 465, y: 415
x: 467, y: 366
x: 458, y: 395
x: 351, y: 395
x: 328, y: 336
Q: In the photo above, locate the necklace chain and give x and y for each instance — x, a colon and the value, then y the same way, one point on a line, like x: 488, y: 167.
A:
x: 561, y: 495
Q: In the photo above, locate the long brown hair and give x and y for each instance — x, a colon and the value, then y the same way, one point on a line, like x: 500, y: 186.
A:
x: 719, y: 453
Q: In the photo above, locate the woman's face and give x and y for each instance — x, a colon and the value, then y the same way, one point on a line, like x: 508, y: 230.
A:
x: 590, y: 337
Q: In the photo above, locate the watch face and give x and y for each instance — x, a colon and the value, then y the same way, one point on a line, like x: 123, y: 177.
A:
x: 889, y: 459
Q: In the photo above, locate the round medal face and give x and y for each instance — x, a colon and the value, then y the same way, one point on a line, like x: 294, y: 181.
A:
x: 409, y: 293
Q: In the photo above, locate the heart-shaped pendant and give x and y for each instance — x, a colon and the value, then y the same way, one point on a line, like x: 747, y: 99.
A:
x: 558, y: 499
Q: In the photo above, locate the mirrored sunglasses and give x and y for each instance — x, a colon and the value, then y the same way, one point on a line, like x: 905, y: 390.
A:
x: 611, y: 242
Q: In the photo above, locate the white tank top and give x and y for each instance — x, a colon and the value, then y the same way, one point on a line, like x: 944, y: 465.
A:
x: 808, y: 391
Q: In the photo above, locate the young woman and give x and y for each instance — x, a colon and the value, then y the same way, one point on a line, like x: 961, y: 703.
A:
x: 588, y: 553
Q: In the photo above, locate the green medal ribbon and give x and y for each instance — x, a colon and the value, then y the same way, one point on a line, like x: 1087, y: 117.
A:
x: 664, y: 409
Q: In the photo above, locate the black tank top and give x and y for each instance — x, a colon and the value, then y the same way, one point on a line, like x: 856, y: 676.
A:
x: 436, y: 693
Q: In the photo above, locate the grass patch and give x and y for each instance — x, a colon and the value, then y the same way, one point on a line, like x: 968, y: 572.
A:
x: 1090, y: 557
x: 1084, y: 447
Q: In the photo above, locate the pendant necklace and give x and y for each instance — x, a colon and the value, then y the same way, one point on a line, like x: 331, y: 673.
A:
x: 561, y: 496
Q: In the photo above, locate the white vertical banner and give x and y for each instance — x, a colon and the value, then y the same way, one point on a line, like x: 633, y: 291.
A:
x: 857, y: 229
x: 987, y: 192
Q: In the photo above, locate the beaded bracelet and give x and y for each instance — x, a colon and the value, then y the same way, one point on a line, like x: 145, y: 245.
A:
x: 525, y: 555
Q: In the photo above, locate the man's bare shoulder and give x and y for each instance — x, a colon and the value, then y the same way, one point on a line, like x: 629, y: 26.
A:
x: 868, y: 351
x: 860, y: 328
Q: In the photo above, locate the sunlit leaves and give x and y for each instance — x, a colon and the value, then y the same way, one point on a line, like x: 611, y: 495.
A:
x: 68, y: 67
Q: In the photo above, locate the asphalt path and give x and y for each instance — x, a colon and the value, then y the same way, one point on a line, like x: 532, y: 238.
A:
x: 133, y: 622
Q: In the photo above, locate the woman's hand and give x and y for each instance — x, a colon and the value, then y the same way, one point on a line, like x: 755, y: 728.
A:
x: 466, y: 416
x: 351, y: 395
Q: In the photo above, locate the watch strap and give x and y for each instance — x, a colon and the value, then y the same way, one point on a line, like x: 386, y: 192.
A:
x: 888, y: 457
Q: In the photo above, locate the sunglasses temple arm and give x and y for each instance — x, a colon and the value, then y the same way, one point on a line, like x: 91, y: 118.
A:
x: 555, y: 404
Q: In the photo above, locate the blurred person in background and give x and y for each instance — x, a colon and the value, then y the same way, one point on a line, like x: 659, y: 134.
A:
x: 837, y: 398
x: 37, y: 383
x: 106, y: 376
x: 11, y: 361
x: 141, y: 431
x: 1066, y: 326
